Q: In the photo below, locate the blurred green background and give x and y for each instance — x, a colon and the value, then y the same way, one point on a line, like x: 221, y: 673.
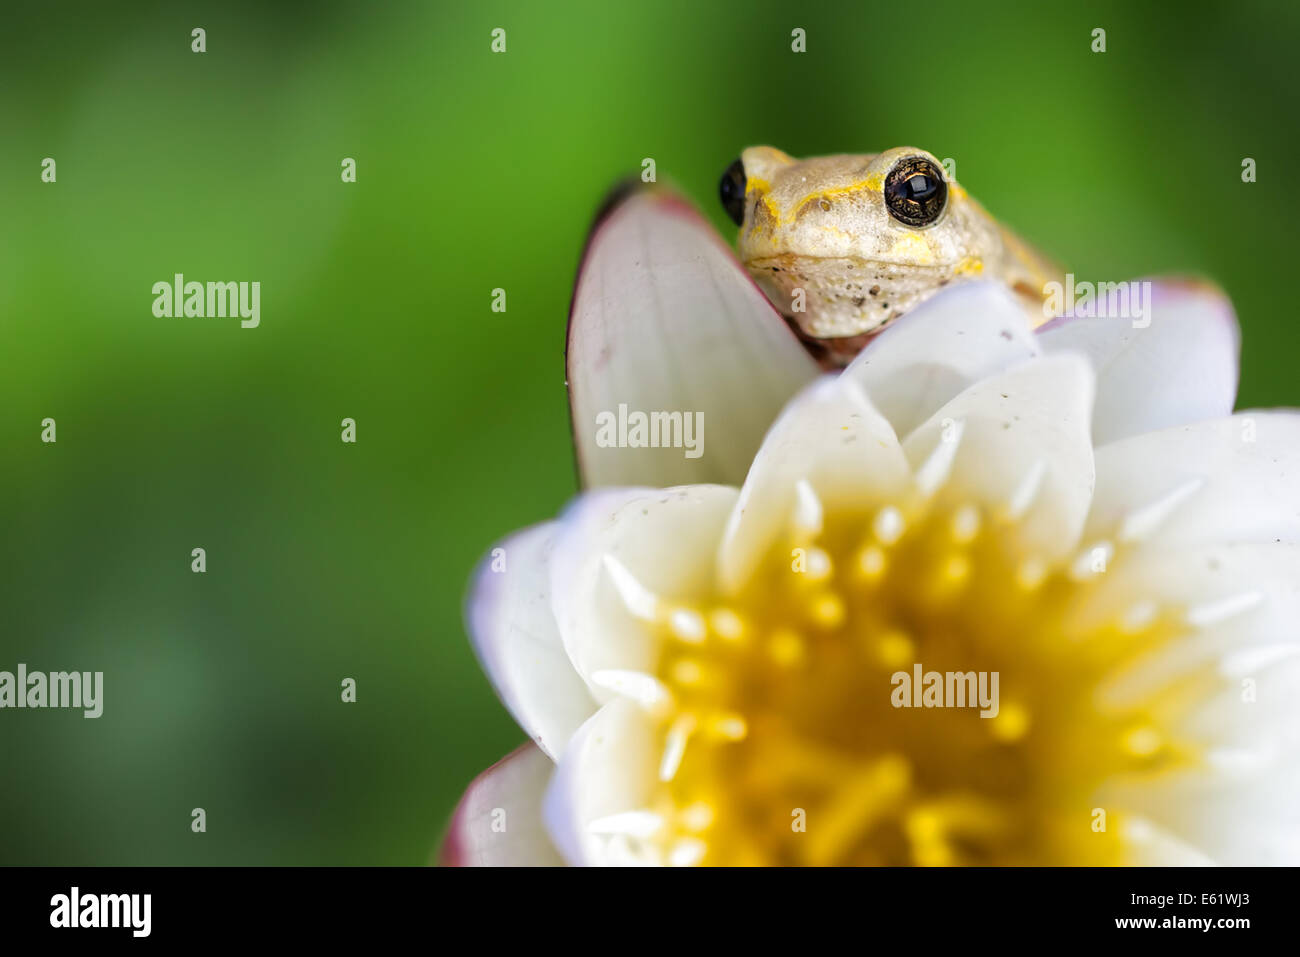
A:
x: 475, y: 171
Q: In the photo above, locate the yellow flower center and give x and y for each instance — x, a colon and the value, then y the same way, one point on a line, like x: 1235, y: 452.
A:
x: 908, y: 688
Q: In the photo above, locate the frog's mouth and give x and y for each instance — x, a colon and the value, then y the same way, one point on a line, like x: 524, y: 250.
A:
x: 844, y: 298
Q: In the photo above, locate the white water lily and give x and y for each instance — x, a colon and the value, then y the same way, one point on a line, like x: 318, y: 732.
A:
x: 705, y: 669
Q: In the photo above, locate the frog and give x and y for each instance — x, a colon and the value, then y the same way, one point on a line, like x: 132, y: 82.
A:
x: 844, y: 245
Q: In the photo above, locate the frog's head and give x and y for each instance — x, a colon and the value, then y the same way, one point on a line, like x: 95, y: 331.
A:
x: 844, y: 244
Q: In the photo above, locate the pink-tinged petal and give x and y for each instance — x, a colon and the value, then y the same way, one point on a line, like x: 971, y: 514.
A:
x: 597, y: 807
x: 830, y: 449
x: 1221, y: 481
x: 498, y: 822
x: 1022, y: 449
x: 622, y: 558
x: 1174, y: 366
x: 665, y: 319
x: 514, y: 633
x: 963, y: 334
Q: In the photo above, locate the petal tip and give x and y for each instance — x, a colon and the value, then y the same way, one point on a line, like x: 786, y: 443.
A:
x: 515, y: 783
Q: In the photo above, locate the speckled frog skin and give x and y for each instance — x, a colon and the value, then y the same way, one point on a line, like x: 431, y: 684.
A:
x: 843, y: 245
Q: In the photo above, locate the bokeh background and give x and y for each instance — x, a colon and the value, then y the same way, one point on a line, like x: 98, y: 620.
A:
x: 475, y: 171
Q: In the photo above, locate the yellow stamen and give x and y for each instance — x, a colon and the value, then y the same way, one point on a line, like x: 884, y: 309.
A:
x: 786, y: 738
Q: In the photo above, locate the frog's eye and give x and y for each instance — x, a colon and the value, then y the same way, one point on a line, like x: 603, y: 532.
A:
x: 732, y: 191
x: 915, y: 191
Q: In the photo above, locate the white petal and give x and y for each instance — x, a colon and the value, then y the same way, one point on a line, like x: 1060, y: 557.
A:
x: 1239, y: 605
x: 1236, y: 807
x: 830, y: 438
x: 1224, y: 823
x: 1149, y: 845
x: 665, y: 319
x: 1209, y: 581
x: 596, y: 808
x: 1241, y: 654
x: 959, y: 336
x: 514, y: 633
x: 623, y: 555
x: 1180, y: 368
x: 1024, y: 451
x: 1228, y: 480
x: 498, y: 822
